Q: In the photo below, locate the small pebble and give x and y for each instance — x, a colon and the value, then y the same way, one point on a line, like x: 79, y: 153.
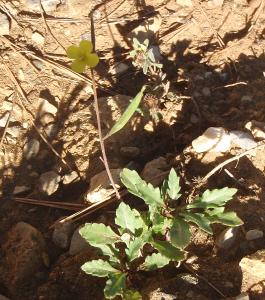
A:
x: 246, y: 99
x: 254, y: 234
x: 130, y: 152
x: 45, y: 107
x: 243, y: 296
x: 62, y: 234
x: 4, y: 24
x: 19, y: 189
x: 77, y: 244
x: 69, y: 178
x: 206, y: 92
x: 227, y: 238
x: 49, y: 182
x: 37, y: 38
x: 38, y: 64
x: 31, y: 149
x: 4, y: 118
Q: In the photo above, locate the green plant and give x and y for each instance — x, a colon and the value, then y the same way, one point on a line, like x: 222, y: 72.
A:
x: 150, y: 240
x: 143, y: 57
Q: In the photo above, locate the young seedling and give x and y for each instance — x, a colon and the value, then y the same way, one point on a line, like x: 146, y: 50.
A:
x: 165, y: 227
x: 143, y: 57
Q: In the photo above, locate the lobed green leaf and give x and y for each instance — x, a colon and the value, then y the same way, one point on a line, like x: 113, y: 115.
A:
x: 155, y: 261
x: 115, y: 285
x: 99, y: 268
x: 173, y: 185
x: 180, y: 233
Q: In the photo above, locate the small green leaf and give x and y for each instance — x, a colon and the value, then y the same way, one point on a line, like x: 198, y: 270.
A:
x: 169, y: 251
x: 140, y: 188
x: 115, y: 285
x: 134, y: 247
x: 214, y: 198
x: 128, y: 218
x: 155, y: 261
x: 98, y: 234
x: 130, y: 110
x: 109, y: 251
x: 160, y: 223
x: 200, y: 220
x: 173, y: 185
x: 180, y: 233
x: 99, y: 268
x: 227, y: 218
x: 132, y: 295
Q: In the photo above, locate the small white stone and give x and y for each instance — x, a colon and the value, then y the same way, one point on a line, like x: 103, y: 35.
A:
x: 68, y: 178
x: 227, y: 238
x: 4, y: 118
x: 37, y: 38
x: 242, y: 139
x: 21, y: 75
x: 49, y: 182
x: 214, y: 139
x: 46, y: 107
x: 118, y: 68
x: 31, y: 149
x: 38, y: 64
x: 254, y: 234
x: 243, y: 296
x: 4, y: 24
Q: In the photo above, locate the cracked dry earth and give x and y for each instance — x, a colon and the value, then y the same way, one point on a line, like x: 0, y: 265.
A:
x: 213, y: 57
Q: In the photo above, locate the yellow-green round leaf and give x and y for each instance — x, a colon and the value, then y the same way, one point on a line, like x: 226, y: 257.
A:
x: 86, y: 46
x: 73, y: 52
x: 78, y: 66
x: 92, y: 60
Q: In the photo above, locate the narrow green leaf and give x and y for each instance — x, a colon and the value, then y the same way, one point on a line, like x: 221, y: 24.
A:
x: 134, y: 247
x: 128, y: 218
x: 115, y: 285
x: 125, y: 117
x: 140, y: 188
x: 214, y: 210
x: 173, y: 185
x: 228, y: 218
x: 155, y: 261
x: 200, y: 220
x: 213, y: 198
x: 169, y: 251
x: 97, y: 234
x: 99, y: 268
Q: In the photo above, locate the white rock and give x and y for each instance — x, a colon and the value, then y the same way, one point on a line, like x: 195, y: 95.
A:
x: 243, y: 296
x: 185, y: 3
x: 68, y: 178
x: 62, y: 234
x: 4, y: 24
x: 19, y: 189
x: 77, y: 244
x: 155, y: 170
x: 37, y: 38
x: 242, y: 139
x: 48, y: 5
x: 253, y: 270
x: 49, y: 182
x: 227, y: 238
x: 4, y: 118
x: 118, y: 68
x: 46, y: 107
x: 31, y: 149
x: 21, y: 75
x: 254, y: 234
x: 214, y: 139
x: 100, y: 187
x: 38, y: 64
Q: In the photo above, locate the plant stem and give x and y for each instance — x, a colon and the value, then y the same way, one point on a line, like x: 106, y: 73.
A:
x: 102, y: 145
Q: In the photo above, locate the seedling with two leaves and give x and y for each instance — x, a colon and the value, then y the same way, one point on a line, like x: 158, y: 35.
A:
x: 145, y: 241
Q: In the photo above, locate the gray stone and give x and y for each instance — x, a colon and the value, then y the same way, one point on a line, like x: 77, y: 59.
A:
x: 62, y: 234
x: 38, y: 64
x: 254, y: 234
x: 242, y: 139
x: 22, y: 256
x: 246, y: 99
x: 130, y: 152
x: 118, y: 68
x: 4, y: 24
x: 227, y: 238
x: 19, y: 189
x: 4, y: 118
x: 49, y: 182
x: 48, y: 5
x: 253, y: 270
x: 206, y: 92
x: 45, y: 107
x: 77, y: 244
x: 69, y: 178
x: 100, y: 187
x: 31, y: 149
